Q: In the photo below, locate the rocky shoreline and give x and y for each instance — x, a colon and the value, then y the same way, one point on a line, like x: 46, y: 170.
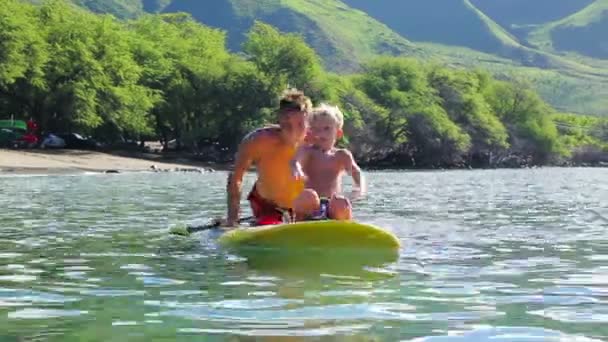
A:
x: 78, y: 161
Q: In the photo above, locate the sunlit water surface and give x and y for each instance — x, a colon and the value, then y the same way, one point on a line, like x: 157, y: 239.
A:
x: 499, y: 255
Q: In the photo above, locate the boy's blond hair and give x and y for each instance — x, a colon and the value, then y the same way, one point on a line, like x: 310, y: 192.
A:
x: 327, y: 110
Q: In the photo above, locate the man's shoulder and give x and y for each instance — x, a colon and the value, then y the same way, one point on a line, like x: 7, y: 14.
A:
x: 263, y: 134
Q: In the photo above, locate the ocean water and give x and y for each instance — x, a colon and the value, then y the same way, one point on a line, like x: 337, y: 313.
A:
x: 493, y: 255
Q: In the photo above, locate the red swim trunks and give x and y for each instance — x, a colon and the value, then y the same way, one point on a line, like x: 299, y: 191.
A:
x: 264, y: 211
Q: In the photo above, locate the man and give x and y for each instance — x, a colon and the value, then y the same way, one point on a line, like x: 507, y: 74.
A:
x: 270, y: 149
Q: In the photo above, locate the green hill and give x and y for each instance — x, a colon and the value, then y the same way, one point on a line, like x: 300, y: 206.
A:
x: 450, y: 22
x: 356, y: 37
x: 564, y: 90
x: 513, y: 13
x: 464, y: 33
x: 153, y: 6
x: 460, y: 23
x: 119, y: 8
x: 584, y: 32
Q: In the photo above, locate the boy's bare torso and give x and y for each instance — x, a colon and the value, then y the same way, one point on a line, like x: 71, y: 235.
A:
x: 324, y: 170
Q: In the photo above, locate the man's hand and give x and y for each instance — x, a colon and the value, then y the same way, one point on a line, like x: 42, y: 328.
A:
x: 228, y: 223
x: 231, y: 223
x: 300, y: 158
x: 296, y: 171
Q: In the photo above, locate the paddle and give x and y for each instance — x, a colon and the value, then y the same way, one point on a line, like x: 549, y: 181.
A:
x: 187, y: 230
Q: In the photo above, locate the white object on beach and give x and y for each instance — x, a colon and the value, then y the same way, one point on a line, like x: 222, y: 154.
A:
x: 53, y: 141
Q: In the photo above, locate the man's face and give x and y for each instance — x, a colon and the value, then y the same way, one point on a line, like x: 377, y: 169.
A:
x: 294, y: 124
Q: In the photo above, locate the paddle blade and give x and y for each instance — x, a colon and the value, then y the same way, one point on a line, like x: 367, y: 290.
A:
x: 180, y: 229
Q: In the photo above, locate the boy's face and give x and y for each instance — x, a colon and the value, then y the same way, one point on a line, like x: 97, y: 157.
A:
x: 324, y: 132
x: 294, y: 124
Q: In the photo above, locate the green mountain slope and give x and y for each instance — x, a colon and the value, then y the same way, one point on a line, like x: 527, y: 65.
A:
x: 153, y: 6
x: 450, y: 22
x: 566, y: 91
x: 460, y: 23
x: 119, y: 8
x: 584, y: 32
x: 514, y: 13
x: 341, y: 35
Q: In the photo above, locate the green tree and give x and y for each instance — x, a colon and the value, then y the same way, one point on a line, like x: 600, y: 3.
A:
x: 91, y: 77
x: 414, y: 120
x: 23, y: 54
x: 461, y: 98
x: 183, y: 61
x: 527, y: 118
x: 284, y: 58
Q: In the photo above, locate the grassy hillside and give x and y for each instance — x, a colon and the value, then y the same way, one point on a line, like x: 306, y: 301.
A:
x: 460, y: 23
x: 513, y: 13
x: 119, y: 8
x: 563, y: 90
x: 341, y: 35
x: 153, y: 6
x: 584, y: 32
x: 451, y: 22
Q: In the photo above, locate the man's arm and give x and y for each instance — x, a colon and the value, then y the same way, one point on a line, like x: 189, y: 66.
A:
x: 244, y: 158
x: 298, y: 161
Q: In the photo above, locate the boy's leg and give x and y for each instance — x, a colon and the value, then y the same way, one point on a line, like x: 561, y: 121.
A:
x: 340, y: 208
x: 306, y: 204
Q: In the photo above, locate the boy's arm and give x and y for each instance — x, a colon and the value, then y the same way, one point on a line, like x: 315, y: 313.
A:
x: 243, y: 160
x: 352, y: 168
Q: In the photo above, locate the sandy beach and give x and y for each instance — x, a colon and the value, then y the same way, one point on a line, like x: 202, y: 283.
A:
x: 75, y: 161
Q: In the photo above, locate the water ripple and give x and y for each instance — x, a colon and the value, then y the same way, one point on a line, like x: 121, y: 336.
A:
x: 597, y: 314
x: 508, y: 334
x: 35, y: 313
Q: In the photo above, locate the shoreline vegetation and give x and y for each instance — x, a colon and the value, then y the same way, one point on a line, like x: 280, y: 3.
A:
x: 165, y: 77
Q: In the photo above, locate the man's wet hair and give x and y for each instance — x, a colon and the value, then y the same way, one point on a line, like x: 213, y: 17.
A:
x: 295, y: 100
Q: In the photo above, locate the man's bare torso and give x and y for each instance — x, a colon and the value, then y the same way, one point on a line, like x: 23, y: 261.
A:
x: 271, y: 158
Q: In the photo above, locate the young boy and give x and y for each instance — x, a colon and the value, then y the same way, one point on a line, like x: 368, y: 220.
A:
x: 270, y: 149
x: 322, y: 165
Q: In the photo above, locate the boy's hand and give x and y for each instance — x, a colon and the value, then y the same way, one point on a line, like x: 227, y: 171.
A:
x: 355, y: 194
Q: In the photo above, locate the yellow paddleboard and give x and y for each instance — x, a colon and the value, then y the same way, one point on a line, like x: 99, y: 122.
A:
x: 337, y: 247
x: 312, y: 234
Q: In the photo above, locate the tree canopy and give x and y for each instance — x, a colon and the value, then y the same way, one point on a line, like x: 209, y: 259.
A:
x: 165, y: 76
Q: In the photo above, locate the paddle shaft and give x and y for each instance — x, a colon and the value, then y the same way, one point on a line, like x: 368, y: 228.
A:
x: 216, y: 223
